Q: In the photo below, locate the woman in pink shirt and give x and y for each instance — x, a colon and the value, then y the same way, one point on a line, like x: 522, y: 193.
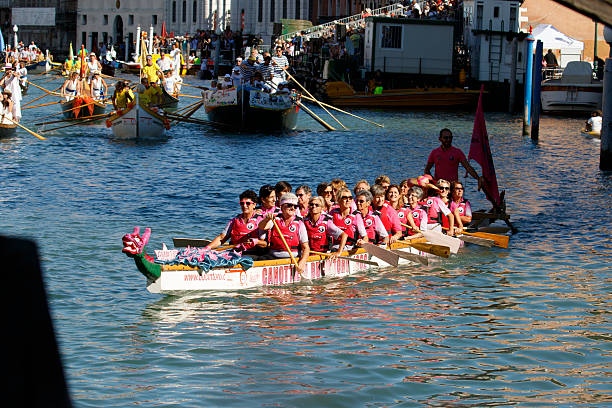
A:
x: 460, y: 207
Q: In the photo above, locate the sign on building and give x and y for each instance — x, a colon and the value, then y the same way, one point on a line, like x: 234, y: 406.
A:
x: 30, y: 16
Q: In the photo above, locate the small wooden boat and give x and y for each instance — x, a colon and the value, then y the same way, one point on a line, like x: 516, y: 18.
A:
x: 342, y: 94
x: 131, y: 68
x: 591, y: 133
x: 138, y: 122
x: 108, y: 68
x: 251, y: 110
x: 82, y: 107
x: 169, y: 102
x: 7, y: 129
x: 176, y: 279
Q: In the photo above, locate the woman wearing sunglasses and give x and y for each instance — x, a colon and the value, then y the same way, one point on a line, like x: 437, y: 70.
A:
x: 326, y: 191
x: 374, y: 227
x: 321, y: 230
x: 242, y: 229
x: 460, y: 207
x: 348, y: 220
x: 440, y: 216
x: 388, y: 215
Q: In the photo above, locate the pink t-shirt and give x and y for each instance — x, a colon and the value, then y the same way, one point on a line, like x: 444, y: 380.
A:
x: 446, y: 162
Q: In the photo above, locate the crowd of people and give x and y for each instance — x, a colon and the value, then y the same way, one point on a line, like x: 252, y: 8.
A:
x: 334, y: 217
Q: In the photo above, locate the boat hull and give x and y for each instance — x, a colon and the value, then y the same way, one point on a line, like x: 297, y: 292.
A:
x: 169, y: 102
x: 251, y: 110
x: 7, y: 130
x: 138, y: 123
x: 82, y: 112
x: 557, y: 97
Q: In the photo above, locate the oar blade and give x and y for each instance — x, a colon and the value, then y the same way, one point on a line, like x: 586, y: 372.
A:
x: 193, y: 242
x: 437, y: 250
x: 411, y: 257
x: 500, y: 240
x: 381, y: 253
x: 439, y: 238
x: 476, y: 240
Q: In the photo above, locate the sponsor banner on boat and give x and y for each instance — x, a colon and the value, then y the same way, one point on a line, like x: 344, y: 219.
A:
x: 221, y: 97
x: 264, y: 100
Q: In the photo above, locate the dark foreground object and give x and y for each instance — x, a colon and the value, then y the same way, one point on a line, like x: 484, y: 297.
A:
x: 32, y: 364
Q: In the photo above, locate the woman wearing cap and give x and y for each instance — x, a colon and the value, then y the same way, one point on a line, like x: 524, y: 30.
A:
x: 72, y: 87
x: 348, y: 220
x: 93, y: 65
x: 293, y: 230
x: 227, y: 81
x: 321, y: 230
x: 98, y: 86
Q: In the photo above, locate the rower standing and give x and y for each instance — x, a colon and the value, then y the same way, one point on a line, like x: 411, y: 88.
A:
x: 446, y: 160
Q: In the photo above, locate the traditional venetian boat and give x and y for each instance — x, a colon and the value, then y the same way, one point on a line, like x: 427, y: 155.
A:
x: 82, y: 107
x: 576, y: 91
x: 591, y: 133
x: 246, y: 274
x: 138, y: 122
x: 131, y: 68
x: 340, y: 93
x: 168, y: 102
x: 7, y: 129
x: 248, y: 109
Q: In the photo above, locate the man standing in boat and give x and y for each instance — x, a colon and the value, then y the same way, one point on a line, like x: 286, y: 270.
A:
x: 447, y: 158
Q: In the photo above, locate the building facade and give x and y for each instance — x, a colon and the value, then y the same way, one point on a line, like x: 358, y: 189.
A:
x: 263, y: 17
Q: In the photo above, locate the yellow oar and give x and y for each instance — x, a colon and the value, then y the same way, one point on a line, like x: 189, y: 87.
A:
x: 190, y: 96
x: 42, y: 104
x: 28, y: 130
x: 343, y: 111
x: 287, y: 248
x: 500, y: 240
x: 43, y: 89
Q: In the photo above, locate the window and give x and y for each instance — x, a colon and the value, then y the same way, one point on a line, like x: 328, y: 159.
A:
x: 105, y: 38
x: 284, y: 8
x: 105, y: 19
x: 184, y: 14
x: 496, y: 12
x: 513, y: 15
x: 174, y: 11
x: 84, y: 39
x: 272, y: 13
x: 154, y: 19
x: 297, y: 9
x: 391, y: 36
x: 194, y: 14
x: 260, y: 11
x: 84, y: 19
x: 479, y: 12
x: 131, y: 19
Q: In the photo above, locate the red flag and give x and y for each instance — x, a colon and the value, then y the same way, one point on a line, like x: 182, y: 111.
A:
x: 164, y: 33
x: 83, y: 63
x: 480, y: 151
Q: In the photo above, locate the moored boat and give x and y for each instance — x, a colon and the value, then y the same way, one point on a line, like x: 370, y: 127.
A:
x: 244, y: 273
x: 341, y: 94
x: 169, y: 102
x: 7, y: 129
x: 138, y: 122
x: 249, y: 109
x: 82, y: 107
x: 575, y: 91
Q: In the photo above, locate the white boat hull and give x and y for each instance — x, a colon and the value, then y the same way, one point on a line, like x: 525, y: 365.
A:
x: 138, y: 124
x: 177, y: 279
x: 571, y: 98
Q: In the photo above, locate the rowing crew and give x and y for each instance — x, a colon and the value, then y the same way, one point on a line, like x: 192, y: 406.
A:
x: 75, y: 87
x: 339, y: 219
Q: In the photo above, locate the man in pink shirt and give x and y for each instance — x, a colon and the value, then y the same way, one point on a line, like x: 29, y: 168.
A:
x: 447, y: 158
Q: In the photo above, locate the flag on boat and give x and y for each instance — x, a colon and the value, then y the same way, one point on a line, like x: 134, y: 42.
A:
x: 83, y: 63
x: 164, y: 33
x: 480, y: 151
x: 1, y: 41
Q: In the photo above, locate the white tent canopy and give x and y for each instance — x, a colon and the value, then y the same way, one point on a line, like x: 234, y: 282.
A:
x: 570, y: 48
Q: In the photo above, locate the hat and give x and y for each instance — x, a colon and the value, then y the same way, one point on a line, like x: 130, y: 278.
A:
x: 95, y: 72
x: 237, y: 69
x: 289, y: 198
x: 239, y: 59
x: 228, y: 76
x: 149, y: 57
x: 251, y: 58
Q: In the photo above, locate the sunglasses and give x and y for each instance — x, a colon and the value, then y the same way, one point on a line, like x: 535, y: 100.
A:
x: 314, y: 205
x: 300, y: 195
x: 291, y: 205
x: 445, y: 188
x: 246, y: 203
x: 327, y: 191
x: 361, y: 201
x: 346, y: 198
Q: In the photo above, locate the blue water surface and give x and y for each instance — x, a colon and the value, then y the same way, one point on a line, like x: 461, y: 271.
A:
x: 527, y: 326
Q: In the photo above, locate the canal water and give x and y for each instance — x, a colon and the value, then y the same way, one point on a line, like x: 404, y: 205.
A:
x: 526, y: 326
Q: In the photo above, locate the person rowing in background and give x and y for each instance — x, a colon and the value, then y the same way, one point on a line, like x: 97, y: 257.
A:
x: 321, y: 230
x: 303, y: 194
x: 267, y: 201
x: 122, y: 96
x: 71, y: 87
x: 374, y: 227
x: 459, y: 205
x: 293, y: 231
x: 242, y: 229
x: 326, y: 191
x: 388, y: 215
x: 98, y: 86
x: 348, y: 220
x: 446, y: 160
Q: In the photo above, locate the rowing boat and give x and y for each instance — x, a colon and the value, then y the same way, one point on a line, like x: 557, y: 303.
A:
x: 138, y: 122
x: 82, y: 108
x: 169, y: 102
x: 7, y: 129
x: 248, y: 109
x: 180, y: 278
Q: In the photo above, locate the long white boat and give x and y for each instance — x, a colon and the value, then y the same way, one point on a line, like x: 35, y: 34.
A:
x: 138, y: 122
x: 575, y: 91
x: 181, y: 278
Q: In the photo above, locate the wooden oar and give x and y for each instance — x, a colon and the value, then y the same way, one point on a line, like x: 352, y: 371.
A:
x: 38, y: 106
x: 46, y: 90
x: 493, y: 229
x: 73, y: 108
x: 186, y: 107
x: 85, y: 120
x: 343, y: 111
x: 287, y: 247
x: 71, y: 119
x: 194, y: 242
x: 381, y: 253
x: 411, y: 257
x: 434, y: 249
x: 315, y: 117
x: 28, y: 130
x: 474, y: 240
x: 309, y: 94
x: 348, y: 258
x: 499, y: 240
x: 190, y: 96
x: 439, y: 238
x: 40, y: 97
x: 203, y: 88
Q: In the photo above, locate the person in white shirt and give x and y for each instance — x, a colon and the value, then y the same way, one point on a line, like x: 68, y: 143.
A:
x: 172, y: 84
x: 236, y: 77
x: 164, y: 63
x: 10, y: 85
x: 6, y: 108
x: 594, y: 122
x: 22, y: 72
x: 98, y: 86
x: 175, y: 54
x: 93, y: 65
